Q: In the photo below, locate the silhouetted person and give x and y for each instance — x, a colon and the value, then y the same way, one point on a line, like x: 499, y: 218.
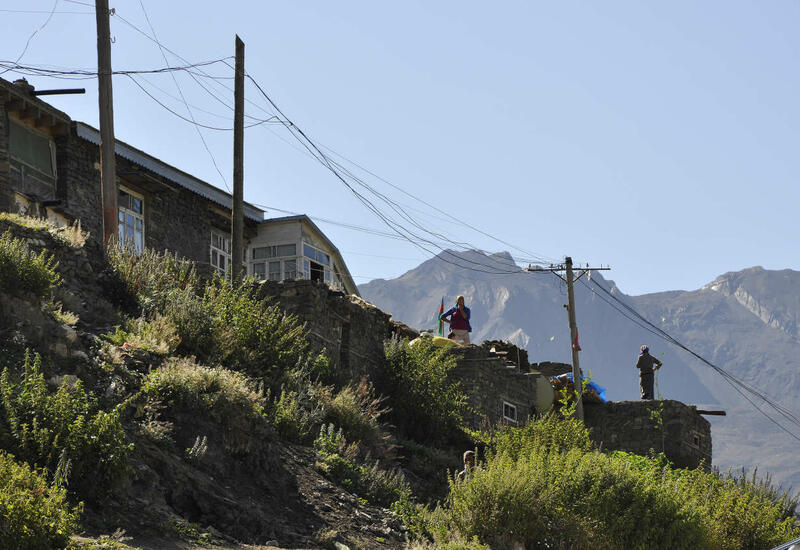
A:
x: 647, y: 365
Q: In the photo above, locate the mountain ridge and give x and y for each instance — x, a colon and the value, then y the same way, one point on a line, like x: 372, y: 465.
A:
x: 745, y: 322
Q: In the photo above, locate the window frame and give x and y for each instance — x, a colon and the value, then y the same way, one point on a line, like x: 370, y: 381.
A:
x: 513, y: 407
x: 135, y: 215
x: 21, y: 166
x: 221, y: 252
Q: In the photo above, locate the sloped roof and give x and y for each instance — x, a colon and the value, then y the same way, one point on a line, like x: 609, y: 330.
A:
x: 302, y: 218
x: 163, y: 169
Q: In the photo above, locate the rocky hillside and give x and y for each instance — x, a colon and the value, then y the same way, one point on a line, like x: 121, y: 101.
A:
x: 746, y: 322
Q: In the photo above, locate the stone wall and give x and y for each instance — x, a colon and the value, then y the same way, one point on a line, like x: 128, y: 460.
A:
x: 351, y: 331
x: 685, y: 437
x: 5, y: 183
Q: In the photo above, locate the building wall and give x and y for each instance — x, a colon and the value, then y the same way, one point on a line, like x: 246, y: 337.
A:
x: 6, y: 193
x: 685, y: 437
x: 351, y: 331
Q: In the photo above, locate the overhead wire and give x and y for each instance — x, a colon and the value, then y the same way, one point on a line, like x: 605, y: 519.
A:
x: 34, y: 33
x: 739, y: 386
x: 183, y: 98
x: 343, y: 174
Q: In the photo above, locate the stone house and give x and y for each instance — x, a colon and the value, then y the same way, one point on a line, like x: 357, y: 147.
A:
x: 293, y: 247
x: 49, y: 167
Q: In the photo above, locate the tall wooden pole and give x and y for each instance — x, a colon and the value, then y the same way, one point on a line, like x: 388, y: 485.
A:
x: 108, y: 169
x: 573, y: 331
x: 237, y: 214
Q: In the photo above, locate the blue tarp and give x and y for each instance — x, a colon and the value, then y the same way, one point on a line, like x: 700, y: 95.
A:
x: 592, y: 385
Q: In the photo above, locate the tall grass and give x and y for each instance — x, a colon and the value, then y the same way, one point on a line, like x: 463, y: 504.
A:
x: 23, y: 271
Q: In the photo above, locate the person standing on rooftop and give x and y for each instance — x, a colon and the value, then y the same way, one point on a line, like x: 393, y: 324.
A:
x: 647, y: 365
x: 459, y: 320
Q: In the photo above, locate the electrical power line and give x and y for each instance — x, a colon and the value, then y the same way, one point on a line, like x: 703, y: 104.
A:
x: 739, y: 386
x: 34, y: 33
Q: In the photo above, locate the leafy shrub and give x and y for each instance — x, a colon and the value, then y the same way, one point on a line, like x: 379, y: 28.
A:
x: 216, y: 321
x: 253, y: 336
x: 425, y: 403
x: 225, y: 396
x: 63, y: 429
x: 33, y: 515
x: 543, y: 485
x: 23, y: 271
x: 338, y: 460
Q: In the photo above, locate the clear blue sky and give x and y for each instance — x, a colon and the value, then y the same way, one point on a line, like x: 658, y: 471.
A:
x: 661, y: 138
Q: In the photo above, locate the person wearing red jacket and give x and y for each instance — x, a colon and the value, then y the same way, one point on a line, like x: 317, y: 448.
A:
x: 458, y: 321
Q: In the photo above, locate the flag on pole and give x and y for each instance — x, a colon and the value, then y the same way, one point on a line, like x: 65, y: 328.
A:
x: 441, y: 324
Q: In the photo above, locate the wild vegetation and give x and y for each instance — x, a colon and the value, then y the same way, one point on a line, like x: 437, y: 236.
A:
x: 194, y: 371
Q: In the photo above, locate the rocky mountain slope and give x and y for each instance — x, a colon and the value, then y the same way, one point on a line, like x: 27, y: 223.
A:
x: 745, y: 322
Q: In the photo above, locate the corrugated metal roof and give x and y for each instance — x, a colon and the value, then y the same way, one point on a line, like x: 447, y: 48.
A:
x: 161, y: 168
x: 788, y: 545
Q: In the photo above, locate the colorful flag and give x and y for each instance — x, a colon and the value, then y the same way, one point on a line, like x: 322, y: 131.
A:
x: 441, y: 324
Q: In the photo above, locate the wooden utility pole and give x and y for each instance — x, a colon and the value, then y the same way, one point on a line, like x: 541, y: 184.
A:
x: 573, y: 338
x: 108, y: 164
x: 237, y: 210
x: 573, y: 325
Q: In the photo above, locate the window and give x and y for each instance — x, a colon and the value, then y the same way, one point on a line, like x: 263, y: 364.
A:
x: 220, y: 251
x: 274, y: 271
x: 278, y: 251
x: 290, y: 269
x: 317, y: 255
x: 33, y: 155
x: 131, y: 219
x: 509, y: 411
x: 259, y: 270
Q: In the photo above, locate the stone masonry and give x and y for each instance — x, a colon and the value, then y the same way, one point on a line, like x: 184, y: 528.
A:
x: 684, y: 436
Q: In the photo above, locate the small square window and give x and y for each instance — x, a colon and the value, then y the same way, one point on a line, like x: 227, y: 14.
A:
x: 509, y: 411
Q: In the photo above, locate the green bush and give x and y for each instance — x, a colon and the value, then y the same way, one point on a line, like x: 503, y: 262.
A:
x: 33, y: 515
x: 227, y: 397
x: 338, y: 460
x: 426, y: 404
x: 63, y: 432
x: 216, y: 321
x: 23, y: 271
x: 543, y: 486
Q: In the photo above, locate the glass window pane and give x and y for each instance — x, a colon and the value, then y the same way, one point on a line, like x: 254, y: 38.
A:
x: 31, y: 148
x: 259, y: 270
x: 139, y: 242
x: 222, y: 262
x: 309, y: 252
x: 139, y: 225
x: 136, y: 205
x: 274, y: 271
x: 290, y: 269
x: 287, y: 250
x: 123, y: 199
x: 259, y: 253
